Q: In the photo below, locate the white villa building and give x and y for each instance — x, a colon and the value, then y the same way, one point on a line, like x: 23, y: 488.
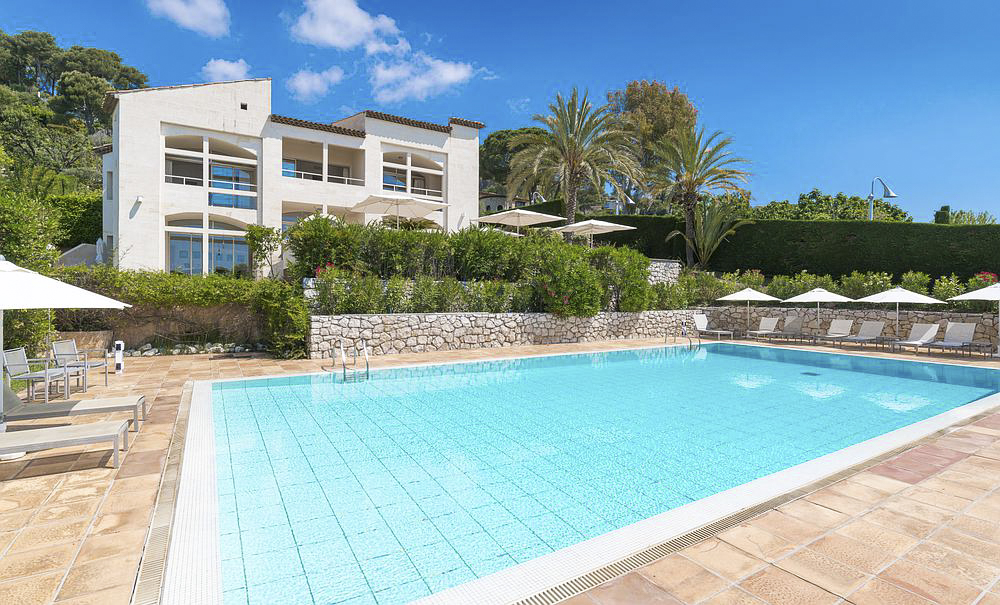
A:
x: 189, y: 167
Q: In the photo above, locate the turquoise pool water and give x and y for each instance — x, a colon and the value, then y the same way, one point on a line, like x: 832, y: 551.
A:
x: 423, y: 478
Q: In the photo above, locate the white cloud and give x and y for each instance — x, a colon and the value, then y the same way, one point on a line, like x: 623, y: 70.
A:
x: 207, y: 17
x: 217, y: 70
x: 418, y: 77
x: 518, y: 105
x: 309, y: 86
x: 344, y: 25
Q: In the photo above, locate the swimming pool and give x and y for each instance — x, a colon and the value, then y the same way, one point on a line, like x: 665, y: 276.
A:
x: 423, y: 478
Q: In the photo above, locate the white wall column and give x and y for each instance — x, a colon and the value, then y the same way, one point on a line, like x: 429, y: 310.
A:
x: 204, y: 163
x: 326, y: 153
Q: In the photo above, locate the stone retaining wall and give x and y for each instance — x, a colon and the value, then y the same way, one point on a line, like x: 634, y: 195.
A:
x: 735, y: 317
x: 664, y: 271
x: 419, y: 332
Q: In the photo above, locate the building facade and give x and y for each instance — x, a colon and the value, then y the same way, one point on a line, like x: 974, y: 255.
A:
x: 190, y: 167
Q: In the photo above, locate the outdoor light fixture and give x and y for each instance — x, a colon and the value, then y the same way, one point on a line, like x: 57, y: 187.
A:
x: 886, y: 192
x: 540, y: 196
x: 138, y: 199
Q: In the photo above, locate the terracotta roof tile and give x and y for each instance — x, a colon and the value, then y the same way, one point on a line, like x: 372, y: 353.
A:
x: 317, y: 126
x: 464, y: 122
x: 387, y: 117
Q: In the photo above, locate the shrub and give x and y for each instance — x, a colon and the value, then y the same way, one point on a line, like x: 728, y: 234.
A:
x: 364, y: 295
x: 396, y: 300
x: 488, y: 296
x: 524, y: 298
x: 947, y: 286
x: 858, y: 285
x: 671, y: 296
x: 915, y: 281
x: 313, y: 242
x: 566, y: 283
x: 624, y: 275
x: 784, y: 287
x: 449, y: 295
x: 423, y: 295
x: 481, y: 254
x: 331, y: 290
x: 79, y: 216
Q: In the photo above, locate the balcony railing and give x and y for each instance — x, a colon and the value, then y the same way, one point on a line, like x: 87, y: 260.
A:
x: 346, y: 180
x: 233, y: 186
x: 183, y: 180
x: 391, y: 187
x: 427, y: 192
x: 299, y: 174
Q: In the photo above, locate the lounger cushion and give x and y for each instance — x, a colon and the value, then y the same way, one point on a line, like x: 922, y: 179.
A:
x: 33, y: 440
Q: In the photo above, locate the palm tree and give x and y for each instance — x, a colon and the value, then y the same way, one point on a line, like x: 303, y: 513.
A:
x: 714, y: 221
x: 692, y: 165
x: 579, y: 145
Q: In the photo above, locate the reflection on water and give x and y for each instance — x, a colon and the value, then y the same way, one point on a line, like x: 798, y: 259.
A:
x: 898, y: 402
x: 751, y: 381
x: 818, y: 390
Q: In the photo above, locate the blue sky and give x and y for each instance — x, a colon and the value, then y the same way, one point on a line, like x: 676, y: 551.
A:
x: 816, y: 94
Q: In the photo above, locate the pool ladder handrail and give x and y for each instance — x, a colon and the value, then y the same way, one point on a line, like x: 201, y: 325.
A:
x: 353, y: 368
x: 686, y: 334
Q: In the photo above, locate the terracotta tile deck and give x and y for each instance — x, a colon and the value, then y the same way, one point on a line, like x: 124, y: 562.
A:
x: 922, y: 527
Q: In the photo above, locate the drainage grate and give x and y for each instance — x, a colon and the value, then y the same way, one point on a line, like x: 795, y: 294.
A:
x: 641, y: 559
x: 152, y: 569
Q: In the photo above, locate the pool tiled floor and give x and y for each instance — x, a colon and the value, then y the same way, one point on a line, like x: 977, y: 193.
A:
x: 923, y: 527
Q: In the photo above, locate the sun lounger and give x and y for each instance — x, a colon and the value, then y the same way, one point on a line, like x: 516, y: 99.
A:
x: 792, y: 329
x: 839, y: 329
x: 701, y: 326
x: 920, y: 335
x: 48, y: 438
x: 15, y: 409
x: 870, y: 331
x: 957, y: 335
x: 768, y: 326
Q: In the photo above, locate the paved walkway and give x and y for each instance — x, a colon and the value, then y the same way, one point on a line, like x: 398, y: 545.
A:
x: 923, y: 526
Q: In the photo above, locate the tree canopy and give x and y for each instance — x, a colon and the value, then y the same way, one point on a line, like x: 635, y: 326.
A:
x: 819, y: 206
x: 495, y: 154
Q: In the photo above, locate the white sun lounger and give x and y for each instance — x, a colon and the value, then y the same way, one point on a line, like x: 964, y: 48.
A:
x: 701, y: 325
x: 15, y: 409
x: 920, y: 335
x: 791, y: 330
x: 48, y: 438
x: 839, y: 329
x: 869, y: 331
x: 768, y: 326
x: 957, y: 335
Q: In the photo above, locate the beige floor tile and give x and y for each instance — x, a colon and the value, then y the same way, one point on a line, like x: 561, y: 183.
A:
x: 952, y: 488
x: 37, y: 561
x: 71, y: 510
x: 119, y: 595
x: 918, y: 510
x: 929, y: 584
x: 879, y: 482
x: 838, y: 502
x: 937, y: 499
x: 734, y: 596
x: 966, y: 544
x: 859, y: 491
x: 778, y: 587
x: 880, y: 592
x: 788, y: 527
x: 51, y: 534
x: 98, y: 575
x: 861, y: 556
x: 631, y: 589
x: 757, y: 542
x: 823, y: 571
x: 980, y: 528
x: 964, y: 478
x: 33, y: 590
x: 111, y: 545
x: 985, y: 512
x: 723, y: 558
x: 990, y: 599
x: 950, y: 562
x: 813, y: 513
x: 899, y: 522
x: 683, y: 578
x: 891, y: 542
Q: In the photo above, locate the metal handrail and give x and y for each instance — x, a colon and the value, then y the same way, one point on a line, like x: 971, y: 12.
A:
x: 301, y: 174
x: 345, y: 180
x: 354, y: 359
x: 183, y: 180
x: 427, y: 192
x: 232, y: 185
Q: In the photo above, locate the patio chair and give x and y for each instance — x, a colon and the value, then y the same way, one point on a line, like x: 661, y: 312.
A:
x: 767, y: 326
x: 957, y: 335
x: 701, y: 326
x: 839, y: 329
x: 17, y: 366
x: 15, y: 409
x: 792, y: 329
x: 67, y: 356
x: 920, y: 335
x: 870, y: 331
x: 49, y: 438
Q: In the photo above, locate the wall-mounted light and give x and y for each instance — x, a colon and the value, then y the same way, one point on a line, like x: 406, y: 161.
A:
x: 138, y: 199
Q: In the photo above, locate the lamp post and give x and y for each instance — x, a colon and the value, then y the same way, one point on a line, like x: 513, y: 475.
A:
x: 886, y: 193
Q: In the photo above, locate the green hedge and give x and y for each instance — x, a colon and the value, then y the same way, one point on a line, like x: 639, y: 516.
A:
x: 279, y: 304
x: 830, y: 247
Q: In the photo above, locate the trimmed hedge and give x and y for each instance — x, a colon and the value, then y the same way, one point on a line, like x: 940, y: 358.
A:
x: 829, y: 247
